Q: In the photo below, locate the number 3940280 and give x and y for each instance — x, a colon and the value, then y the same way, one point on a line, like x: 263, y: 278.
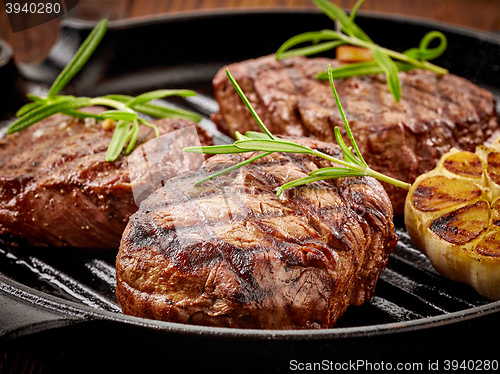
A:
x: 34, y: 8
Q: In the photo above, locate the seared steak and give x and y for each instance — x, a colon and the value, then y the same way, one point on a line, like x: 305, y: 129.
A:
x: 57, y: 189
x: 402, y: 139
x: 231, y: 253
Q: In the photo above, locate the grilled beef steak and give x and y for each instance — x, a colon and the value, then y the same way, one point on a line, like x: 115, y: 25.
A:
x: 402, y: 139
x: 231, y: 253
x: 57, y: 189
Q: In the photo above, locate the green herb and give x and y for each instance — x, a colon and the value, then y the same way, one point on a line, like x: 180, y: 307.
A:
x: 353, y: 164
x: 80, y: 58
x: 347, y: 32
x: 125, y: 109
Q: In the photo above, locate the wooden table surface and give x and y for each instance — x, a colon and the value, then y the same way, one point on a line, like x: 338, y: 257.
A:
x: 33, y: 45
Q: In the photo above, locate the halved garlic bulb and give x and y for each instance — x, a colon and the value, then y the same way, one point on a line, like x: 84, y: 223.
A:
x: 452, y: 214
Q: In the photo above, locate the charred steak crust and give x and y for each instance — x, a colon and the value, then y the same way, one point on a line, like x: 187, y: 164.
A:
x: 231, y: 253
x: 56, y: 189
x: 402, y: 139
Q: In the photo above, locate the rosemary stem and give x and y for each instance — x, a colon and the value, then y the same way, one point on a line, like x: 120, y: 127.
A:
x: 333, y: 159
x: 364, y: 170
x: 150, y: 125
x: 418, y: 63
x: 375, y: 174
x: 399, y: 56
x: 234, y: 167
x: 110, y: 103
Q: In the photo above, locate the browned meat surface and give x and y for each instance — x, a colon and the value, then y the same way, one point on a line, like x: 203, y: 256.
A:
x: 231, y: 253
x: 57, y: 189
x: 403, y: 139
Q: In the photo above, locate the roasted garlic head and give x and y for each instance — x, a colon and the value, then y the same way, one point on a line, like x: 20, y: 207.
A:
x: 452, y: 214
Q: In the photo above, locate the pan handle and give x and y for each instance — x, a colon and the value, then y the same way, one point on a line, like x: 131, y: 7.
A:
x: 25, y: 311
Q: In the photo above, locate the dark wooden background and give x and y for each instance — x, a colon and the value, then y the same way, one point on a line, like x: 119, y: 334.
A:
x: 32, y: 45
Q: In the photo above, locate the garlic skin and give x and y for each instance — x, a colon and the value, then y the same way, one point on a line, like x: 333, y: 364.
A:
x: 452, y: 215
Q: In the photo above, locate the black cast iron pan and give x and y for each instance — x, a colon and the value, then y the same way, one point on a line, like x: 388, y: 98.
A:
x: 59, y: 306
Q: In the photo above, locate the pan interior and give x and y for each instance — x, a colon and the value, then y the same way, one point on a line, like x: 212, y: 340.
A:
x: 408, y: 291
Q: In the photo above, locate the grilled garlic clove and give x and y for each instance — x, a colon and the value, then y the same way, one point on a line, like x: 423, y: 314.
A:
x: 465, y: 164
x: 438, y: 192
x: 462, y: 225
x: 452, y: 214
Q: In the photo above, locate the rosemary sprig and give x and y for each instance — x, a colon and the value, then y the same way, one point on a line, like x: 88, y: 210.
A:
x: 385, y: 61
x: 353, y: 164
x: 124, y: 110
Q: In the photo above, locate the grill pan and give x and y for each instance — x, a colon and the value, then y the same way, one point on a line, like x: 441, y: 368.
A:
x: 58, y: 308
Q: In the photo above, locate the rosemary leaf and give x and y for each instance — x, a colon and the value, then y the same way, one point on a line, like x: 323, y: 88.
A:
x: 120, y: 137
x: 359, y: 69
x: 347, y: 23
x: 313, y: 37
x: 161, y: 111
x: 215, y: 149
x: 46, y: 111
x: 257, y: 135
x: 423, y: 52
x: 333, y: 172
x: 133, y: 137
x: 119, y: 115
x: 391, y: 72
x: 157, y: 110
x: 310, y: 50
x: 150, y: 125
x: 347, y: 152
x: 321, y: 174
x: 354, y: 10
x: 248, y: 105
x: 158, y: 94
x: 298, y: 182
x: 82, y: 115
x: 28, y: 108
x: 271, y: 145
x: 344, y: 118
x: 239, y: 136
x: 80, y: 58
x: 38, y: 102
x: 35, y: 98
x: 231, y: 168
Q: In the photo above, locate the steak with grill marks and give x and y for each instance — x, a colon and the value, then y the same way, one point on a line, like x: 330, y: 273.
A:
x: 231, y: 253
x: 57, y: 189
x: 402, y: 139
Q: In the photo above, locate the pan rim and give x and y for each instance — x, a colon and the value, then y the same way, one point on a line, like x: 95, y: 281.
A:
x: 213, y: 13
x: 76, y: 312
x: 83, y: 312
